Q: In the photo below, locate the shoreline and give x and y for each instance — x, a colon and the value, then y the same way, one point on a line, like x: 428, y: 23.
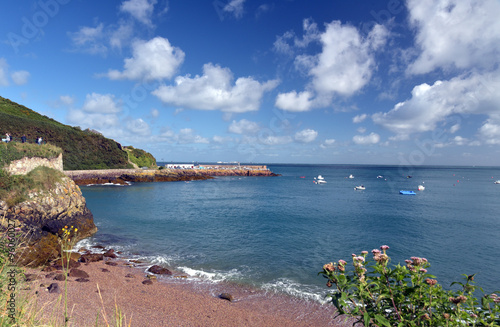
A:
x: 171, y: 301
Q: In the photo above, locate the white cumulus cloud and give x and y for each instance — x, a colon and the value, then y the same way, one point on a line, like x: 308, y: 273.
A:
x: 214, y: 90
x: 20, y: 77
x: 155, y: 59
x: 292, y: 101
x: 431, y: 104
x: 455, y: 33
x: 138, y: 127
x: 235, y: 7
x: 372, y: 138
x: 101, y: 103
x: 359, y: 118
x: 343, y: 67
x: 243, y: 127
x: 306, y: 136
x: 139, y: 9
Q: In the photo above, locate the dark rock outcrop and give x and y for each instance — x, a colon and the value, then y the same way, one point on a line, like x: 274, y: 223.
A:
x: 41, y: 218
x: 110, y: 254
x: 226, y: 296
x: 78, y: 273
x: 91, y: 257
x: 159, y: 270
x: 54, y: 288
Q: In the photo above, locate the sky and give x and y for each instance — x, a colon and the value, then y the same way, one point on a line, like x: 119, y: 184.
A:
x: 395, y: 82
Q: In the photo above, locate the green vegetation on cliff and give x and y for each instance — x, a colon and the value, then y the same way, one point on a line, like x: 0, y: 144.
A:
x: 14, y: 151
x: 140, y: 157
x: 14, y: 189
x: 81, y: 149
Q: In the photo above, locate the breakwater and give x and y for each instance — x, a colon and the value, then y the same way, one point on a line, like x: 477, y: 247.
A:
x: 124, y: 176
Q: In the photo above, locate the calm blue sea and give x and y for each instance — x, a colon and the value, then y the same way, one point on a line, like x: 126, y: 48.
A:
x: 275, y: 233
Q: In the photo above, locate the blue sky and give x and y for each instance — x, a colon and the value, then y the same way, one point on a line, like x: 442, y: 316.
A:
x: 371, y: 82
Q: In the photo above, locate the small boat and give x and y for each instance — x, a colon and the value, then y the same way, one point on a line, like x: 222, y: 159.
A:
x: 302, y: 176
x: 497, y: 182
x: 409, y: 176
x: 380, y: 176
x: 407, y: 192
x: 351, y: 176
x: 319, y: 180
x: 360, y: 187
x: 421, y: 187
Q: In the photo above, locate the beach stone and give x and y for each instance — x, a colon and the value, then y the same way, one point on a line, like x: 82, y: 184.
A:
x: 54, y: 288
x: 159, y: 270
x: 226, y: 296
x: 82, y: 280
x: 111, y: 263
x: 129, y: 276
x: 98, y: 247
x: 152, y: 277
x: 30, y: 277
x: 92, y: 257
x: 59, y: 277
x: 104, y: 270
x: 49, y: 269
x: 110, y: 254
x: 147, y: 282
x: 78, y: 273
x: 45, y: 285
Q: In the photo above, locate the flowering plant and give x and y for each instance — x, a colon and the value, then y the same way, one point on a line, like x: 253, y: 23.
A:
x: 379, y: 295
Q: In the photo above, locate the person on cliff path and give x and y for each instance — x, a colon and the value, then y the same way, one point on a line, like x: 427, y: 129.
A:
x: 23, y: 139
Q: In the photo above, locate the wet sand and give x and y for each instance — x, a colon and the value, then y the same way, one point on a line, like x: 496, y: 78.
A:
x: 168, y: 301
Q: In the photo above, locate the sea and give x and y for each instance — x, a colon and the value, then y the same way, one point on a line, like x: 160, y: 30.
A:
x: 275, y: 233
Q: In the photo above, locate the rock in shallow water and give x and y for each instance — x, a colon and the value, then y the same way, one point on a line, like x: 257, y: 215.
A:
x: 226, y: 296
x: 159, y: 270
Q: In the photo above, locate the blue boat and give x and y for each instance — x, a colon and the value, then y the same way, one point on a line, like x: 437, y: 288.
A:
x: 407, y: 192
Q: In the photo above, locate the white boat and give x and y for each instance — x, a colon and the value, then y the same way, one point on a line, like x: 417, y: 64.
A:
x: 380, y: 176
x: 351, y: 176
x: 319, y: 180
x: 421, y: 187
x: 360, y: 187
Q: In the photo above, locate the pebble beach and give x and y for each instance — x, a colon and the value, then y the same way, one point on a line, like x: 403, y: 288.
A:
x: 115, y: 283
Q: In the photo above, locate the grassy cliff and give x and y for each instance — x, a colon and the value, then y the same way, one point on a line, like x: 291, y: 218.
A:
x: 81, y: 149
x: 140, y: 157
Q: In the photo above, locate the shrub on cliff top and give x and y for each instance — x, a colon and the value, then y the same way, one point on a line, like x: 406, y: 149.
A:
x: 379, y: 295
x: 140, y: 157
x: 14, y: 188
x: 14, y: 151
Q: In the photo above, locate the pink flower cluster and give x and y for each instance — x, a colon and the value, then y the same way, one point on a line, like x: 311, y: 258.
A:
x: 416, y: 263
x: 431, y: 282
x: 457, y: 300
x: 495, y: 298
x: 331, y: 267
x: 380, y: 257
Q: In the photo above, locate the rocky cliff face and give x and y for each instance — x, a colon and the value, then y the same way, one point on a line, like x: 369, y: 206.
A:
x: 41, y: 218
